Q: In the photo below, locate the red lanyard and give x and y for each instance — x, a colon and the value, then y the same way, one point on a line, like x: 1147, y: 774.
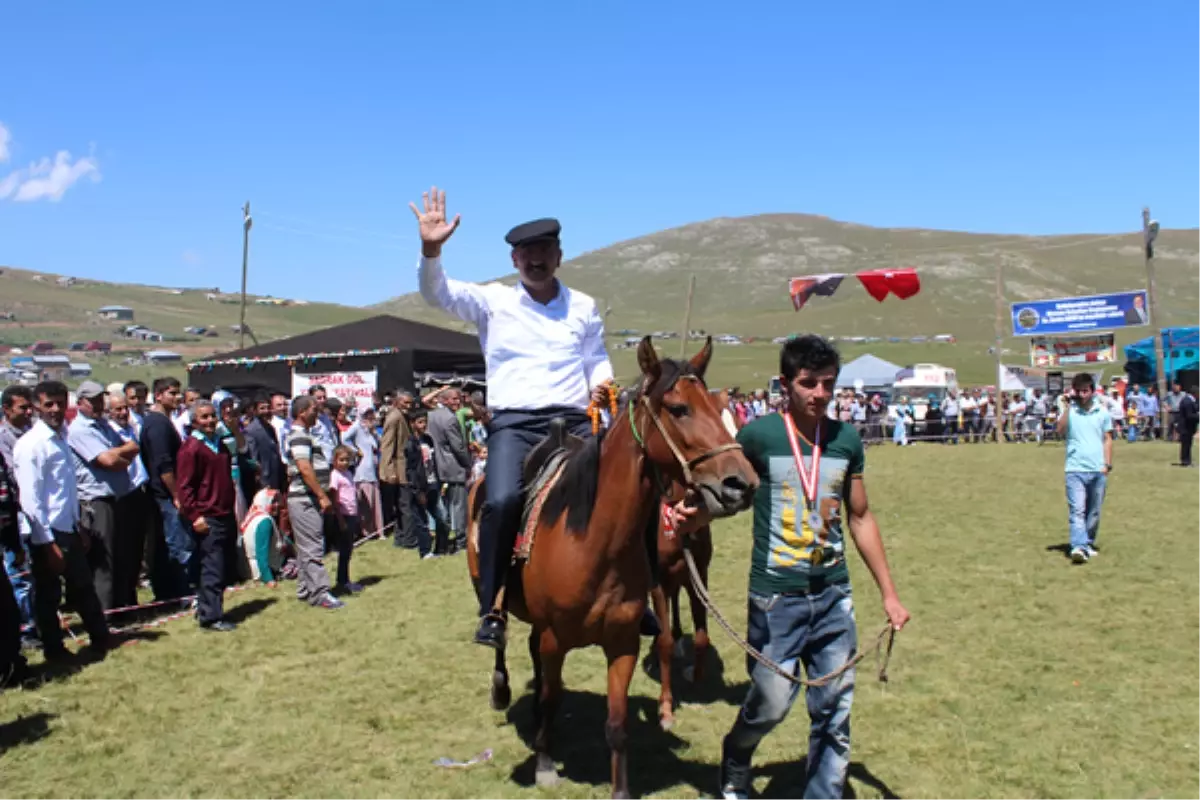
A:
x: 809, y: 480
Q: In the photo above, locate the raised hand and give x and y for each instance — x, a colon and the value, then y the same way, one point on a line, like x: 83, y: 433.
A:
x: 432, y: 223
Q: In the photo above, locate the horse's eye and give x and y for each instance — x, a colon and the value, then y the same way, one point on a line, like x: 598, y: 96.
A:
x: 677, y: 410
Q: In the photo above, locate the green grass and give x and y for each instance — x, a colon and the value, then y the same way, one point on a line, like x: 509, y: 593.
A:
x: 1020, y: 674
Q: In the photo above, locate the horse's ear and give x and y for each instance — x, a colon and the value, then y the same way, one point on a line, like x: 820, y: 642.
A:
x: 699, y: 361
x: 648, y: 361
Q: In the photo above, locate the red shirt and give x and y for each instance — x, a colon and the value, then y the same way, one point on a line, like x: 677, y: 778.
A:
x: 204, y: 480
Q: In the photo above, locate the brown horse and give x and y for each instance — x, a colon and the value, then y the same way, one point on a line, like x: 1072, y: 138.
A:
x: 588, y: 574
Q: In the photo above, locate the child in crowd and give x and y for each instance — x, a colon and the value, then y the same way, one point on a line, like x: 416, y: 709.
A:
x: 341, y: 485
x: 480, y: 465
x: 422, y: 477
x: 260, y: 538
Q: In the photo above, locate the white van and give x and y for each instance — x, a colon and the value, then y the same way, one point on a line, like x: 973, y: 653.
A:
x: 918, y: 383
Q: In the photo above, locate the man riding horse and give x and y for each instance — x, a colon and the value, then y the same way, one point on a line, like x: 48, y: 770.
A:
x: 546, y: 359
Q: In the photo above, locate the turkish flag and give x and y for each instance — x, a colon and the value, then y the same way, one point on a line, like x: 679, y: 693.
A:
x: 903, y: 282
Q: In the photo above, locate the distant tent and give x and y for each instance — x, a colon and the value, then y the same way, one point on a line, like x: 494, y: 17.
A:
x: 874, y: 372
x: 1181, y: 353
x: 400, y: 351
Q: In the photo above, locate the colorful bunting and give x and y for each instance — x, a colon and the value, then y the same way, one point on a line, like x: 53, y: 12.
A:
x: 303, y: 358
x: 904, y: 283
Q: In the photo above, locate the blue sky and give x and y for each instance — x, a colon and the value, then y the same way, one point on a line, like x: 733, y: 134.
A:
x: 618, y: 118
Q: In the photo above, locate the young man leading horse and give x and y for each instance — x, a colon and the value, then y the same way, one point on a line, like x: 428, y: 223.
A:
x: 801, y: 610
x: 546, y: 359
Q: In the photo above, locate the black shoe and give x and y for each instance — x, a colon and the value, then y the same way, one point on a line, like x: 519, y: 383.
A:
x: 491, y: 632
x: 734, y: 776
x: 220, y: 626
x: 649, y: 625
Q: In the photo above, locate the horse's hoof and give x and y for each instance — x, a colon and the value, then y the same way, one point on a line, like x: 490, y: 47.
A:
x: 501, y: 693
x: 666, y: 722
x: 547, y: 778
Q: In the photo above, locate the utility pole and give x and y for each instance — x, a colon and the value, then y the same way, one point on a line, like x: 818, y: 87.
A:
x: 999, y: 349
x: 687, y: 318
x: 1149, y: 233
x: 246, y: 223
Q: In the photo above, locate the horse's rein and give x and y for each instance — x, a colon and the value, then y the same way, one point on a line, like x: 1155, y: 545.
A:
x: 698, y: 583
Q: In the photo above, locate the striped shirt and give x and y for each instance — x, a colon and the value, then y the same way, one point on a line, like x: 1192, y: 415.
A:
x: 300, y: 448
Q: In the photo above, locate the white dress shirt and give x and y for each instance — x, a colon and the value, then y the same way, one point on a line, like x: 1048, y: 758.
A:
x: 137, y: 472
x: 46, y: 477
x: 538, y: 356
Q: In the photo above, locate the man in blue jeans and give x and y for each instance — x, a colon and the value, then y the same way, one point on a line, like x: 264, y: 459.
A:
x: 801, y: 610
x: 1087, y: 430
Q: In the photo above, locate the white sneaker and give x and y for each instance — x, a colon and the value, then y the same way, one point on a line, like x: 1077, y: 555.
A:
x: 428, y: 556
x: 1079, y: 555
x: 1092, y: 552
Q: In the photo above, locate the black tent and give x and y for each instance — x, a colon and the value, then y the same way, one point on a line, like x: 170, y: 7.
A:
x: 400, y: 351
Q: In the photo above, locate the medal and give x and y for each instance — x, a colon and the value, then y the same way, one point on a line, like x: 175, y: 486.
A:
x: 808, y: 479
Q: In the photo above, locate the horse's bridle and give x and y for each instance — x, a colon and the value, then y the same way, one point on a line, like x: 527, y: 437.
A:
x: 687, y: 465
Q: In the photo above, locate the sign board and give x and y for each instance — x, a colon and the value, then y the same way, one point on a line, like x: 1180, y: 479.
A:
x: 355, y: 388
x: 1062, y: 351
x: 1080, y: 314
x: 1054, y: 383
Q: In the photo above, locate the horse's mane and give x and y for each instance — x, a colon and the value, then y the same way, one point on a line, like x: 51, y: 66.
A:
x: 577, y: 487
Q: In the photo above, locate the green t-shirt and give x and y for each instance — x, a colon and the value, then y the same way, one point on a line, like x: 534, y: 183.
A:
x: 788, y: 553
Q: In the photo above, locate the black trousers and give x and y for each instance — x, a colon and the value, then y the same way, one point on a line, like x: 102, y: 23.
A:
x: 511, y: 435
x: 135, y: 520
x: 10, y: 628
x: 400, y: 502
x: 1186, y: 432
x: 98, y: 519
x: 81, y: 592
x: 210, y: 551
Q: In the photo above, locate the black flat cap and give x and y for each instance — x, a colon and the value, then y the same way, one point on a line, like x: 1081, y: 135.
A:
x: 536, y: 231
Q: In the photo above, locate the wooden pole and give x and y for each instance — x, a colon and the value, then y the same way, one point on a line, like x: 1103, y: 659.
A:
x: 246, y: 223
x: 1155, y: 327
x: 999, y: 349
x: 687, y: 318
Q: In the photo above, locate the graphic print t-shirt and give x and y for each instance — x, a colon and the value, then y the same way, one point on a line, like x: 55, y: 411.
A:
x: 788, y: 553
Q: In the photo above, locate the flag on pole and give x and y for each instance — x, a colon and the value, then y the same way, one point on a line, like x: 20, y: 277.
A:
x: 903, y: 282
x: 805, y: 287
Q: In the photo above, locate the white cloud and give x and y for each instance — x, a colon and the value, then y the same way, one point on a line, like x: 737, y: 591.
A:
x: 45, y: 179
x: 191, y: 257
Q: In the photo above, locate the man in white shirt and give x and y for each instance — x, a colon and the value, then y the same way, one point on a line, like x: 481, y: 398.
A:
x: 544, y: 347
x: 45, y: 471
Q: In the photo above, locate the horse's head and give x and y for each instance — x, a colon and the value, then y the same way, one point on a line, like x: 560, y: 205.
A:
x: 682, y: 433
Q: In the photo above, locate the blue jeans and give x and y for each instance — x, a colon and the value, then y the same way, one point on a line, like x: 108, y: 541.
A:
x: 818, y: 631
x: 183, y: 569
x: 21, y: 579
x: 1085, y: 495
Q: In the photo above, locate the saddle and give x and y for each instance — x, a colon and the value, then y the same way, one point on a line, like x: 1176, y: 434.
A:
x: 542, y: 469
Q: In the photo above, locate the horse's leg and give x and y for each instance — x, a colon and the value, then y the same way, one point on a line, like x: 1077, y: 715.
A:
x: 676, y: 623
x: 665, y: 645
x: 551, y: 660
x: 536, y: 659
x: 501, y: 693
x: 622, y: 660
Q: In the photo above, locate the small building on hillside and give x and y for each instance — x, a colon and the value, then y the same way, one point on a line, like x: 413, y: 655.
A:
x: 163, y: 357
x: 42, y: 347
x: 80, y: 369
x: 52, y: 368
x: 116, y: 313
x: 96, y: 346
x: 65, y: 281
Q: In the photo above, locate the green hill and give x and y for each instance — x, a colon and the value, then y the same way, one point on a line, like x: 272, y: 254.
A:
x: 742, y: 267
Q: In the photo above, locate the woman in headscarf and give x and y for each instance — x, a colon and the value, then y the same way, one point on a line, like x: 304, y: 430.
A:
x: 260, y: 538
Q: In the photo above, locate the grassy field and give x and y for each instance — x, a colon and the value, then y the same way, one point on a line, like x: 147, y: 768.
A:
x: 1020, y: 675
